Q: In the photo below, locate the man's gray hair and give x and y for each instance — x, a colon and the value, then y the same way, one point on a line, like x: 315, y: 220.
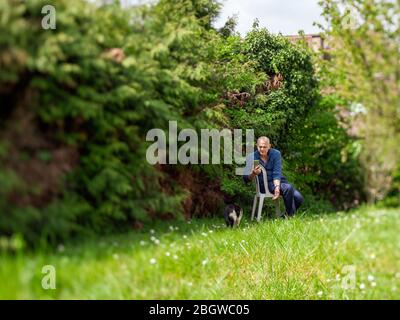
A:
x: 263, y: 138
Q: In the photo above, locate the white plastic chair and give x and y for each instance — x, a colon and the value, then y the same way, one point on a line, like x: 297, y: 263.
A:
x: 259, y: 197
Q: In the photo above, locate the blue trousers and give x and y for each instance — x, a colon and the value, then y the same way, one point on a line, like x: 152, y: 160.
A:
x: 291, y: 197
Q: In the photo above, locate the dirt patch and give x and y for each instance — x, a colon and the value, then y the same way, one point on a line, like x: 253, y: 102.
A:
x: 38, y: 160
x: 205, y: 197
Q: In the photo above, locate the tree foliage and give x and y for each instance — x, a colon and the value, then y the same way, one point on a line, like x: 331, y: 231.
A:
x: 78, y: 101
x: 364, y: 69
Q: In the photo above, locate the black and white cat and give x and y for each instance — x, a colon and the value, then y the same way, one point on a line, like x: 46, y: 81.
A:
x: 233, y: 214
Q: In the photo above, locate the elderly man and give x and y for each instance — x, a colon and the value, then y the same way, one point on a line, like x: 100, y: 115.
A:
x: 270, y: 159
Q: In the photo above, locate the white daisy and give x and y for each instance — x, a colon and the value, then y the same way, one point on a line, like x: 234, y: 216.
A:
x: 152, y: 261
x: 371, y: 278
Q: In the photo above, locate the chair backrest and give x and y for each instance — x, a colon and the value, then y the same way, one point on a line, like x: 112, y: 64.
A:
x: 265, y: 180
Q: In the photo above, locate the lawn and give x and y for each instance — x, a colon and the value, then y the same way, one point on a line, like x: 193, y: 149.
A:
x: 354, y: 255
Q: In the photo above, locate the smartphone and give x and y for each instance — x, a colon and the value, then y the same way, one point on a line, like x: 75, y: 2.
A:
x: 256, y: 163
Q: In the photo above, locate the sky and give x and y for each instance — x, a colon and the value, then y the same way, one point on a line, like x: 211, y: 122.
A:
x: 285, y: 16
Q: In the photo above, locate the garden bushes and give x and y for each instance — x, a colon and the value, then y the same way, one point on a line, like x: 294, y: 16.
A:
x: 77, y: 102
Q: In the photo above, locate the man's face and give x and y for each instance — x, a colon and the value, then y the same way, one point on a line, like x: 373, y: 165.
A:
x: 263, y: 146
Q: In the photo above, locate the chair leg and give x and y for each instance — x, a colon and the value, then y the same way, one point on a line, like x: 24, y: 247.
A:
x: 277, y: 208
x: 260, y: 206
x: 254, y: 207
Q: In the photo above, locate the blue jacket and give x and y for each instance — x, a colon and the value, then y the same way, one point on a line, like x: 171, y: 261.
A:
x: 273, y: 167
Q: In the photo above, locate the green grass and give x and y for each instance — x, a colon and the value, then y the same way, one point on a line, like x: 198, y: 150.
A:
x: 300, y: 258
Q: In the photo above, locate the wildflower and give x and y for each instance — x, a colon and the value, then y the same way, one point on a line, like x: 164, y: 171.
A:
x: 210, y: 231
x: 152, y: 261
x: 204, y: 234
x: 175, y: 257
x: 152, y: 231
x: 152, y: 238
x: 362, y: 286
x: 171, y: 228
x: 319, y: 293
x: 157, y: 241
x: 167, y: 254
x: 190, y: 284
x: 142, y: 243
x: 176, y: 228
x: 373, y: 284
x: 184, y: 236
x: 370, y: 278
x: 372, y: 256
x: 204, y: 262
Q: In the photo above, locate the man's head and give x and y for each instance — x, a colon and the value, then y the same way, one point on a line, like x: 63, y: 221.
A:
x: 263, y: 145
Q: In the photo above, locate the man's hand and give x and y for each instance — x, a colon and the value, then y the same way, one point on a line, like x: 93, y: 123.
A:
x: 276, y: 193
x: 256, y: 171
